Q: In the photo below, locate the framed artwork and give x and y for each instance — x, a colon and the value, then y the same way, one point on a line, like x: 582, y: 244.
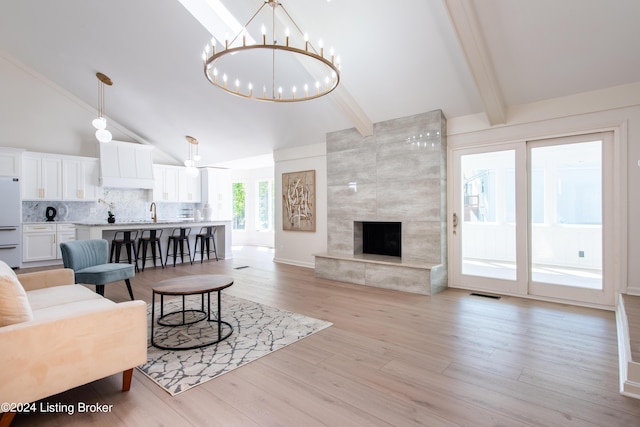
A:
x: 299, y: 201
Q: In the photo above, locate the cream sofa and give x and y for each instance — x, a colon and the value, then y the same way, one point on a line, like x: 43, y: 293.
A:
x: 55, y: 335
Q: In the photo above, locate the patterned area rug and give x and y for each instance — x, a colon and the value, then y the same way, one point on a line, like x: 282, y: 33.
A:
x: 257, y: 331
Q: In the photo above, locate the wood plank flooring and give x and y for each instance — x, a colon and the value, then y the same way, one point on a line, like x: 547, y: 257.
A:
x: 390, y: 359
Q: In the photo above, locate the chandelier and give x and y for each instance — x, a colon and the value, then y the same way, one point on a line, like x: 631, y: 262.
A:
x: 100, y: 123
x: 282, y: 65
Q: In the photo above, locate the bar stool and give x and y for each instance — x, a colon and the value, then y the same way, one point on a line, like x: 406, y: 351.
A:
x: 124, y: 238
x: 150, y: 237
x: 204, y: 236
x: 178, y: 237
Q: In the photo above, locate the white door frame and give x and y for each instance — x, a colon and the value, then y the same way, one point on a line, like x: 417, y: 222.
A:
x: 498, y: 138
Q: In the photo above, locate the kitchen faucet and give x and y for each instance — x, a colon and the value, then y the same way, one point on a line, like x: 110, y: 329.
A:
x: 152, y: 208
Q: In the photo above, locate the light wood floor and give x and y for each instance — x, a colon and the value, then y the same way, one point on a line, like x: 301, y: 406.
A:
x: 390, y: 358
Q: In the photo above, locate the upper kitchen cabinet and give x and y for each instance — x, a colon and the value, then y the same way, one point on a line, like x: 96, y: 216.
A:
x: 80, y: 179
x: 189, y: 188
x: 10, y: 161
x: 126, y: 165
x: 176, y: 184
x: 166, y: 183
x: 41, y: 177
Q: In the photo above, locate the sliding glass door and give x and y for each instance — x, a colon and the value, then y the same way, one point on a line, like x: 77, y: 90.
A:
x: 570, y: 215
x: 531, y: 218
x: 485, y: 219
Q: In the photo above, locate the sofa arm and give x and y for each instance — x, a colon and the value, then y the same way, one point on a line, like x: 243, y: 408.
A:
x: 46, y: 279
x: 41, y: 358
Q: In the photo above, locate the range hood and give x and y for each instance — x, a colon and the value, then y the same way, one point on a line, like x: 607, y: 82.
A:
x: 126, y: 165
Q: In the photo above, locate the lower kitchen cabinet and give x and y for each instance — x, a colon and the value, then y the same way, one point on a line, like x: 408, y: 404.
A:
x: 41, y: 241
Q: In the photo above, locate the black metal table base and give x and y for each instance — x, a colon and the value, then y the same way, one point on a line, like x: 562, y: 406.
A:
x: 206, y: 316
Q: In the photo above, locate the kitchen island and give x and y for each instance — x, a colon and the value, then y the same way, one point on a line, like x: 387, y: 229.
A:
x: 103, y: 230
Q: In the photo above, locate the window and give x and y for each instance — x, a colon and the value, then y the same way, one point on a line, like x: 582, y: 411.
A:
x: 239, y: 211
x: 265, y: 206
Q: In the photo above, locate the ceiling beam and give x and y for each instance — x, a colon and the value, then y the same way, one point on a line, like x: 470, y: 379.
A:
x: 352, y: 110
x: 467, y: 28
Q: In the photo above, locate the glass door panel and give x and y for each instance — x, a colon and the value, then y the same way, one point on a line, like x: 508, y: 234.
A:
x: 487, y: 215
x: 566, y: 214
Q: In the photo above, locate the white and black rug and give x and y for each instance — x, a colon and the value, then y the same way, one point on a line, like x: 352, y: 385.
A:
x: 257, y: 331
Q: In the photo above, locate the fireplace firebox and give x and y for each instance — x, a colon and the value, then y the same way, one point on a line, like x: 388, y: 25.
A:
x: 382, y: 238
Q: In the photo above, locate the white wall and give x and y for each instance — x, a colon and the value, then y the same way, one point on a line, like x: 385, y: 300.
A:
x: 251, y: 236
x: 616, y: 109
x: 298, y: 247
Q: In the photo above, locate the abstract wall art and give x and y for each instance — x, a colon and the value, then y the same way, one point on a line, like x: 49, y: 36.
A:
x: 299, y: 201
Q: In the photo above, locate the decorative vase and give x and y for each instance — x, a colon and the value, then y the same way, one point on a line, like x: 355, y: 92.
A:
x: 207, y: 212
x: 111, y: 219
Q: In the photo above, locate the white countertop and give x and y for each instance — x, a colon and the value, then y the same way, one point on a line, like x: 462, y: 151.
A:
x: 147, y: 222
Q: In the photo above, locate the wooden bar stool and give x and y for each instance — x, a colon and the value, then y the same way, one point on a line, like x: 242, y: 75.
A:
x: 178, y: 238
x: 150, y: 237
x: 205, y: 236
x: 128, y: 240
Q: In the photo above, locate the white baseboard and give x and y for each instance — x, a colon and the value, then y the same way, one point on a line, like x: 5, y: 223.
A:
x: 294, y: 262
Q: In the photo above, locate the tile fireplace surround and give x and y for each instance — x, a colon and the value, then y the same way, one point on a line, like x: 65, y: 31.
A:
x: 398, y: 174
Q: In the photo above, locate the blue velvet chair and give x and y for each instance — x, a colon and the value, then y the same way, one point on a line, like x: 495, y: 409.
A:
x: 89, y: 261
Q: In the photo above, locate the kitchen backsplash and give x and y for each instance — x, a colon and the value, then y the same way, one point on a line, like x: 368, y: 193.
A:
x: 127, y: 205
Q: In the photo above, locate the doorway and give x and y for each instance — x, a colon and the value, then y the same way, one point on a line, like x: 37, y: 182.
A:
x: 534, y: 217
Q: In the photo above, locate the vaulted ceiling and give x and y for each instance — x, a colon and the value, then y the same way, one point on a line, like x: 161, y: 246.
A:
x: 399, y: 58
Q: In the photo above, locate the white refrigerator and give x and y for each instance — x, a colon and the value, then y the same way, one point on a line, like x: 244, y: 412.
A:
x: 10, y: 220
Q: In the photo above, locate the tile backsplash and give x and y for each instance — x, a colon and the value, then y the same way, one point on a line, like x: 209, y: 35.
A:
x: 127, y: 205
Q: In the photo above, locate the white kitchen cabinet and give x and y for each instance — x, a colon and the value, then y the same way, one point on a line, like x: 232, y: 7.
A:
x: 165, y: 188
x: 39, y: 242
x: 189, y: 188
x: 216, y: 190
x: 80, y: 179
x: 41, y: 177
x: 10, y: 161
x: 64, y: 233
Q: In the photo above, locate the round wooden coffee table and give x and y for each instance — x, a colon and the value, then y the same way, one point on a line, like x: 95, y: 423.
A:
x: 184, y: 286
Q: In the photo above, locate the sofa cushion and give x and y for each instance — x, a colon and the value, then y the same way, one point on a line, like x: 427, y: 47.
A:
x: 59, y: 295
x: 14, y: 305
x: 76, y: 307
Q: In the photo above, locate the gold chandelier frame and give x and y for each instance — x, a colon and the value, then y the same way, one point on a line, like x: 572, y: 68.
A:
x: 332, y: 64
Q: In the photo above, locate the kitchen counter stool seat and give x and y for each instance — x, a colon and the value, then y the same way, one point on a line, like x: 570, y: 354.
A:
x: 177, y: 239
x: 205, y: 237
x: 128, y: 240
x: 150, y: 237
